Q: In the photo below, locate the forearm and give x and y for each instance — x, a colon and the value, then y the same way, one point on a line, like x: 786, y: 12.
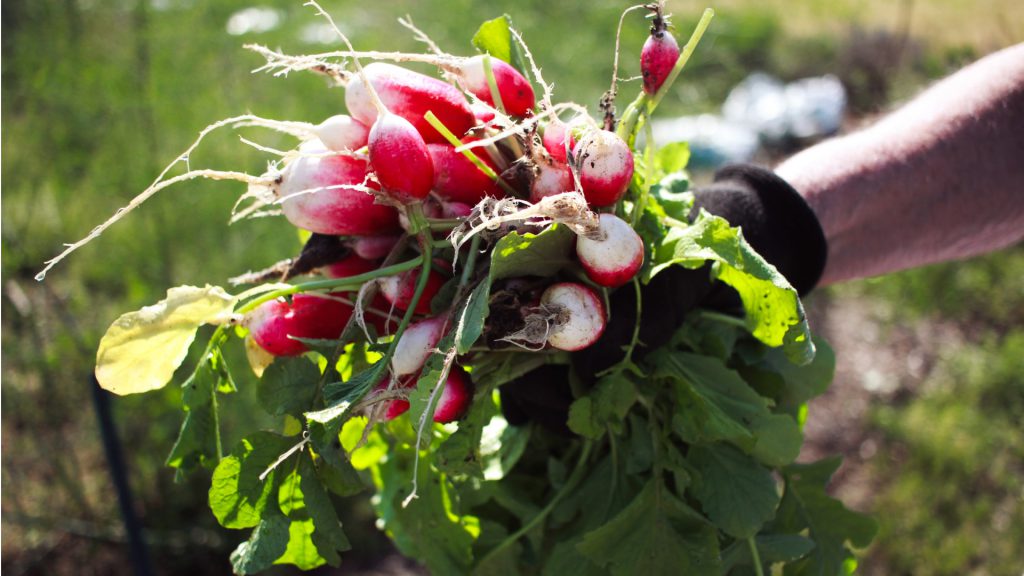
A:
x: 940, y: 179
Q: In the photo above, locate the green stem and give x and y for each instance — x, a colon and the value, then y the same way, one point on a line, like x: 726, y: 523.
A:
x: 724, y: 318
x: 684, y: 56
x: 343, y: 284
x: 454, y: 141
x: 467, y: 268
x: 492, y: 84
x: 644, y: 104
x: 570, y: 484
x: 757, y: 557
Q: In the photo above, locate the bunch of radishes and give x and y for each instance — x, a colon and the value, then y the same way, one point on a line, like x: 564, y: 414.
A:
x: 418, y: 156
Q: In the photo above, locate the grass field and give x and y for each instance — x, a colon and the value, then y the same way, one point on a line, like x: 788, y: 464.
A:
x: 98, y: 96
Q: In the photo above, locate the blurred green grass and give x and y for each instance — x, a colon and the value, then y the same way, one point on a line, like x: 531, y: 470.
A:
x: 98, y: 96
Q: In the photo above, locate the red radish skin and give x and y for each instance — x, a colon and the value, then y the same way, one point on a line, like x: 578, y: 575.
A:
x: 584, y: 315
x: 457, y: 178
x: 410, y: 95
x: 400, y: 159
x: 554, y: 139
x: 452, y: 405
x: 274, y: 323
x: 605, y: 166
x: 614, y: 259
x: 553, y: 177
x: 455, y: 398
x: 351, y: 265
x: 417, y: 344
x: 316, y: 196
x: 657, y: 58
x: 399, y: 290
x: 455, y: 210
x: 374, y: 247
x: 515, y: 90
x: 483, y: 113
x: 343, y: 132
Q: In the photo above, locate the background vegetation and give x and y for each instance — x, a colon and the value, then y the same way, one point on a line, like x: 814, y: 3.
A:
x: 98, y: 95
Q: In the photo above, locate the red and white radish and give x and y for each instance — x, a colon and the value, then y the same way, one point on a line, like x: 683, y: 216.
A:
x: 400, y: 159
x: 342, y: 132
x: 458, y: 178
x: 453, y: 403
x: 351, y: 265
x: 320, y: 193
x: 658, y: 56
x: 274, y: 325
x: 373, y: 247
x: 399, y: 290
x: 605, y: 167
x: 552, y: 177
x: 418, y: 342
x: 515, y: 90
x: 410, y: 95
x: 483, y: 113
x: 554, y: 137
x: 579, y: 315
x: 613, y: 254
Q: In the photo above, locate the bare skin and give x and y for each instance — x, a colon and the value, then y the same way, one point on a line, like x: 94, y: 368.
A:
x: 942, y: 178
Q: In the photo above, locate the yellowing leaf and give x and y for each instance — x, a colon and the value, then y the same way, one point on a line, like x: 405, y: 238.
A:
x: 142, y: 349
x: 258, y: 358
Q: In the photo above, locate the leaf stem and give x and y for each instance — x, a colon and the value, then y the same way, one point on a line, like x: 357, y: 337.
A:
x: 756, y: 556
x: 350, y: 283
x: 570, y: 484
x: 468, y: 153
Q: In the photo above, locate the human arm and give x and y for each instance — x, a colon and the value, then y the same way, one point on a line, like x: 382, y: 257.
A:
x: 942, y: 178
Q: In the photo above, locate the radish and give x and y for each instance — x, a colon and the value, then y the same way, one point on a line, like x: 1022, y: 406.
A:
x: 613, y: 255
x: 342, y: 133
x: 554, y: 138
x: 399, y: 290
x: 454, y: 400
x: 274, y: 324
x: 455, y: 210
x: 317, y: 195
x: 373, y: 247
x: 409, y: 95
x: 515, y: 90
x: 400, y: 159
x: 605, y: 167
x: 483, y: 113
x: 659, y: 54
x: 553, y: 177
x: 417, y: 344
x: 351, y: 265
x: 457, y: 178
x: 579, y: 316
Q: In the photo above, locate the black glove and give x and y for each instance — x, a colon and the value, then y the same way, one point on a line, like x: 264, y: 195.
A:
x: 777, y: 223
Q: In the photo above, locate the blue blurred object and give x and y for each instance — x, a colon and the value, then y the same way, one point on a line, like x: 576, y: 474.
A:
x: 759, y: 111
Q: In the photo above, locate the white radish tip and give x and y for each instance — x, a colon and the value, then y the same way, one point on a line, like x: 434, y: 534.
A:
x: 580, y: 316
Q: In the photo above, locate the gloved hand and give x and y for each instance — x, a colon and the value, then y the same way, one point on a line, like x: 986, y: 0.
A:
x: 777, y: 223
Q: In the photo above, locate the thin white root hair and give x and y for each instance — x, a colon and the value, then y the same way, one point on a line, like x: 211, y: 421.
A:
x: 361, y: 298
x: 280, y: 64
x: 545, y: 101
x: 301, y: 130
x: 262, y: 148
x: 567, y: 208
x: 525, y: 125
x: 159, y: 184
x: 534, y: 334
x: 135, y: 202
x: 420, y: 35
x: 449, y: 360
x: 618, y: 38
